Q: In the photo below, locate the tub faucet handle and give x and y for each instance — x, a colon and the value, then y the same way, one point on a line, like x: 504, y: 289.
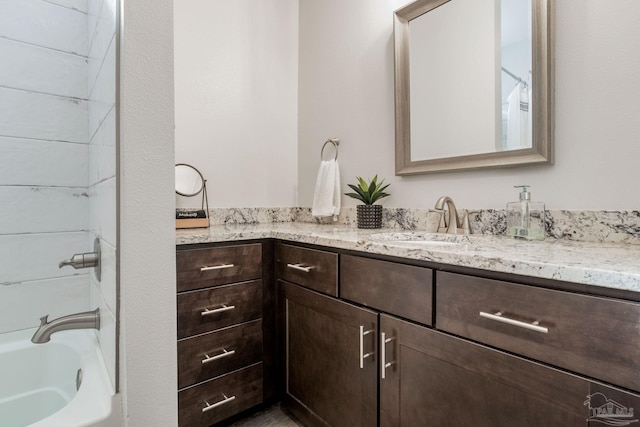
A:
x: 85, y: 260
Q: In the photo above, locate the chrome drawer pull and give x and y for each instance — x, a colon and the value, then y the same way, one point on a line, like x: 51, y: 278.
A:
x: 224, y: 353
x: 225, y: 307
x: 362, y: 355
x: 533, y: 326
x: 383, y: 354
x: 300, y: 267
x: 216, y: 267
x: 215, y: 405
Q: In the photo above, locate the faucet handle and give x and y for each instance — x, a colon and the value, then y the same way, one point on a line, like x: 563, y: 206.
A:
x: 466, y: 223
x: 442, y: 225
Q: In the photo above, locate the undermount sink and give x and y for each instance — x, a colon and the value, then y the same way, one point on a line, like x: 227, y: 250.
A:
x: 422, y: 238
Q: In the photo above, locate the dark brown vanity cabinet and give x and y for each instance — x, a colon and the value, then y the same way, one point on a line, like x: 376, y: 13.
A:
x: 594, y: 336
x: 440, y: 362
x: 364, y: 342
x: 311, y: 268
x: 433, y: 379
x: 220, y: 332
x: 330, y: 366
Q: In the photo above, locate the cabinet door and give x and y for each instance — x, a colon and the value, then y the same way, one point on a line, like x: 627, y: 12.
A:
x: 433, y: 379
x: 330, y: 359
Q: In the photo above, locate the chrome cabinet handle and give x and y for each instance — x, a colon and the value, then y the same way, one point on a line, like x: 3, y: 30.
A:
x: 383, y: 354
x: 225, y: 400
x: 216, y: 267
x: 224, y: 353
x: 499, y: 317
x: 362, y: 354
x: 300, y: 267
x: 223, y: 308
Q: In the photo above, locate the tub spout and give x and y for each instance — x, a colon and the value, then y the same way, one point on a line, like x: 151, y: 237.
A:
x: 84, y: 320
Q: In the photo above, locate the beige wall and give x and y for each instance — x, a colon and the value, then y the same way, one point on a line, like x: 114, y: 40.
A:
x: 148, y: 366
x: 236, y: 99
x: 346, y: 90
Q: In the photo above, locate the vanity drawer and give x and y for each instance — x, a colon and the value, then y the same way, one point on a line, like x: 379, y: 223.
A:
x: 220, y: 398
x: 403, y: 290
x: 317, y: 270
x: 215, y: 308
x: 595, y: 336
x: 201, y: 268
x: 216, y: 353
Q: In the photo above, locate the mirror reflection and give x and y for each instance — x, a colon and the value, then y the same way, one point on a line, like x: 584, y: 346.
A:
x: 516, y: 67
x: 189, y: 180
x: 468, y: 75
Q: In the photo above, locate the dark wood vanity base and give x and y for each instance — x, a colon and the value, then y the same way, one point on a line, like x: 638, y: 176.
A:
x: 353, y: 339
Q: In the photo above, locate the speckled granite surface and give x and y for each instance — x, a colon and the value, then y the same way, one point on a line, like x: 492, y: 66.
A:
x: 581, y: 226
x: 612, y: 265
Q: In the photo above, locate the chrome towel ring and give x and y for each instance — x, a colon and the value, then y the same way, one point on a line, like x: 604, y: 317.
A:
x: 335, y: 142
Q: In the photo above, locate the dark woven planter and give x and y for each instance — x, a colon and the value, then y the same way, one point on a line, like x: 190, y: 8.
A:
x: 369, y: 216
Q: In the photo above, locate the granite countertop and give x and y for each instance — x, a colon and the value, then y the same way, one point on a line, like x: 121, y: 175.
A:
x: 611, y: 265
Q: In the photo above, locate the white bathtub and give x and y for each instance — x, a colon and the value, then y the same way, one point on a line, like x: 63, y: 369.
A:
x: 38, y: 381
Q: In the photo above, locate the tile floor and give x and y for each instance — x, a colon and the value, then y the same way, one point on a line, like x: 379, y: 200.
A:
x: 273, y: 416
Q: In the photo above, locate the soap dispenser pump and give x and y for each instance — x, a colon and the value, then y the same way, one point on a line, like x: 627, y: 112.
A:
x: 525, y: 219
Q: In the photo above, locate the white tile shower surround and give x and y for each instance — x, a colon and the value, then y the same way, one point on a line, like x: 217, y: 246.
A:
x: 42, y: 116
x: 70, y: 294
x: 28, y: 161
x: 101, y: 214
x: 43, y: 70
x: 28, y: 287
x: 102, y: 28
x: 43, y: 209
x: 27, y: 257
x: 101, y: 78
x: 102, y: 150
x: 102, y: 96
x: 45, y: 24
x: 79, y: 5
x: 44, y: 133
x: 57, y: 159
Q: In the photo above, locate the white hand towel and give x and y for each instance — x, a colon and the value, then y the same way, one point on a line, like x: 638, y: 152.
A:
x: 326, y: 198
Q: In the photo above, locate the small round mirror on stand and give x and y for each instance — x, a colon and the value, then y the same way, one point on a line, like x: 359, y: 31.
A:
x: 189, y: 183
x: 189, y: 180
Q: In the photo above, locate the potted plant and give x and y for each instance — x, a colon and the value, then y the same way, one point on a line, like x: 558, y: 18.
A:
x: 368, y: 214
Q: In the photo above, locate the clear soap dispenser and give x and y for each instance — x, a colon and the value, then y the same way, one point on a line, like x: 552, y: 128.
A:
x: 525, y: 219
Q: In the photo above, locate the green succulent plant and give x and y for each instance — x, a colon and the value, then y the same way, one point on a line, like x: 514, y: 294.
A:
x: 368, y: 193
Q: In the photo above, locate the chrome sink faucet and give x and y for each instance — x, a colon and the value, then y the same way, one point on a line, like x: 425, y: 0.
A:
x: 450, y: 223
x: 84, y: 320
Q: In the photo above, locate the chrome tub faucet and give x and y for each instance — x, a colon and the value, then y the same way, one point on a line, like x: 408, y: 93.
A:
x: 84, y: 320
x: 85, y: 260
